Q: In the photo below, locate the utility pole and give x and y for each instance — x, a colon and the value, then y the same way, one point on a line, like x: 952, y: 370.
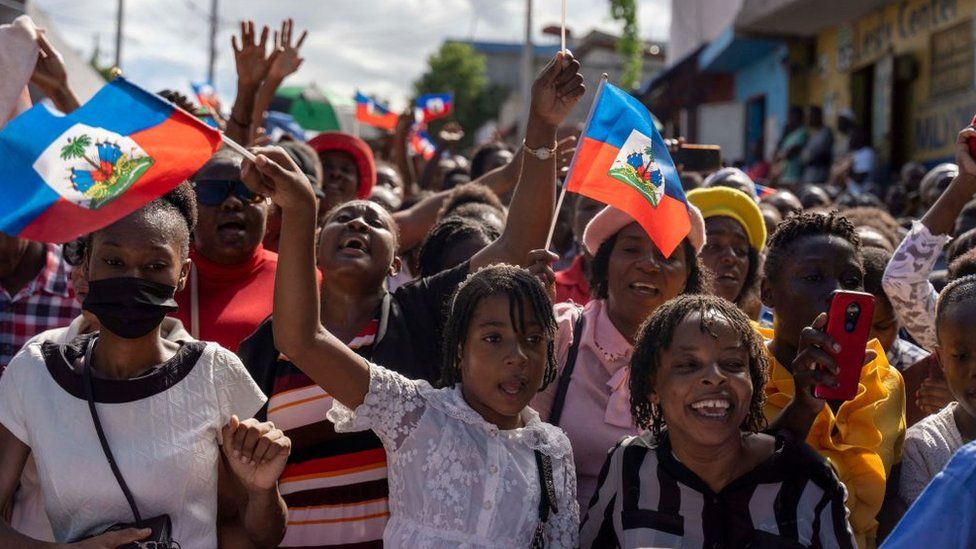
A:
x: 213, y: 42
x: 527, y: 66
x: 118, y: 34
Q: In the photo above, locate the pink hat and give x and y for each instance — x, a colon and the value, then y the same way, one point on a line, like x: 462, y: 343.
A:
x: 610, y: 220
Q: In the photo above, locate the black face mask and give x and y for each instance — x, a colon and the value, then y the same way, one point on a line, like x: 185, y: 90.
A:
x: 129, y: 307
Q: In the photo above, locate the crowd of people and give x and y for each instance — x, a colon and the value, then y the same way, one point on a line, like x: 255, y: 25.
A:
x: 339, y: 344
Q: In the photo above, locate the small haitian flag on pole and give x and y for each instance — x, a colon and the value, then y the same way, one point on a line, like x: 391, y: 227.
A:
x: 623, y: 161
x: 69, y: 175
x: 432, y: 106
x: 370, y: 112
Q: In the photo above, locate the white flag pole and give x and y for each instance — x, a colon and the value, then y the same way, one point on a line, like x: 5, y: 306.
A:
x: 236, y: 147
x: 572, y: 164
x: 563, y: 29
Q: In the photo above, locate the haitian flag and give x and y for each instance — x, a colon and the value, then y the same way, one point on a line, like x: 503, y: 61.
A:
x: 206, y: 95
x: 432, y: 106
x: 763, y: 191
x: 368, y: 111
x: 622, y: 161
x: 69, y: 175
x: 421, y: 143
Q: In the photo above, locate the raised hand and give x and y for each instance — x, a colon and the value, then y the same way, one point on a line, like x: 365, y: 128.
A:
x: 275, y: 175
x: 540, y: 265
x: 965, y: 160
x: 49, y: 73
x: 815, y: 365
x: 250, y: 56
x: 557, y: 89
x: 285, y: 59
x: 256, y: 452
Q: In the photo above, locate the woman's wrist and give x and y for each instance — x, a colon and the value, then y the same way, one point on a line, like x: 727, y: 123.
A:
x: 539, y: 133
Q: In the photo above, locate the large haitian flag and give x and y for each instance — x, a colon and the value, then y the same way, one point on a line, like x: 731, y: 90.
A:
x: 622, y: 161
x: 68, y: 175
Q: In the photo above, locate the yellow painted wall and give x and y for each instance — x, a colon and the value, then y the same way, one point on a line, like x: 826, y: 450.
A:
x: 898, y: 28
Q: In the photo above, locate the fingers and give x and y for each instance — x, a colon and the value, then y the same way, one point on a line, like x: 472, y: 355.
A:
x: 965, y: 134
x: 551, y: 69
x: 124, y: 537
x: 233, y: 44
x: 264, y: 37
x: 46, y: 48
x: 542, y: 256
x: 301, y: 39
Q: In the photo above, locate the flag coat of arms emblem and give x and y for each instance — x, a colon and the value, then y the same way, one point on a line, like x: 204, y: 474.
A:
x: 68, y: 175
x: 432, y: 106
x: 623, y: 161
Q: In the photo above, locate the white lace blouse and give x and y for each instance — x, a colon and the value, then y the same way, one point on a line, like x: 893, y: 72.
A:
x: 457, y: 481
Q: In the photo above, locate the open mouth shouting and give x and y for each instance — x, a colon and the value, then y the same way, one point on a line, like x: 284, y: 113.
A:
x: 355, y: 245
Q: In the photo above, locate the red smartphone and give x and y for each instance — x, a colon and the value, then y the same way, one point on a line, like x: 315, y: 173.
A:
x: 849, y: 323
x: 972, y: 140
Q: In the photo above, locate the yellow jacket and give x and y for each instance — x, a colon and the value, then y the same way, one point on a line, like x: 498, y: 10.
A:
x: 862, y: 441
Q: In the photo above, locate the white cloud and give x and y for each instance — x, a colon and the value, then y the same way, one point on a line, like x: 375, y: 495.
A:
x: 379, y: 46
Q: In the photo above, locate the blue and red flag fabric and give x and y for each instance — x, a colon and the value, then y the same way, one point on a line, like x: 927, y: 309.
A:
x: 69, y: 175
x: 623, y: 161
x: 763, y: 191
x: 421, y: 143
x: 432, y: 106
x: 370, y: 112
x: 206, y: 95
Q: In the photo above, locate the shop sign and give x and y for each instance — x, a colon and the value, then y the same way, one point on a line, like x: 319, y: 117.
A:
x: 952, y: 60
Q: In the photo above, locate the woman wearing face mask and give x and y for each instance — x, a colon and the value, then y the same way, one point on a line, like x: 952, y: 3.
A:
x: 166, y: 408
x: 631, y: 278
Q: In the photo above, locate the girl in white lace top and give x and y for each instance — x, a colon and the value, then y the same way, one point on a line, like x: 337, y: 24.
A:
x: 469, y: 465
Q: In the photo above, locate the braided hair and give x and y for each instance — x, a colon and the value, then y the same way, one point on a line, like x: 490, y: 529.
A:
x: 657, y: 334
x: 523, y: 290
x: 449, y: 232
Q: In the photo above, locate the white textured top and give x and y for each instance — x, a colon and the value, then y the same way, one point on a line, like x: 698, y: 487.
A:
x: 929, y: 445
x: 163, y: 428
x: 457, y: 481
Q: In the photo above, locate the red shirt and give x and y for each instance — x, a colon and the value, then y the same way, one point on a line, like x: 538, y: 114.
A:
x: 233, y: 299
x: 571, y: 284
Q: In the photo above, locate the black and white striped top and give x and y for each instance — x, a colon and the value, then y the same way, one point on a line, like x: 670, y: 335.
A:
x: 647, y: 498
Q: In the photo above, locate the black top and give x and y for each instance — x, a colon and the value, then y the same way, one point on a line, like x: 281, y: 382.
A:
x: 647, y: 498
x: 59, y: 360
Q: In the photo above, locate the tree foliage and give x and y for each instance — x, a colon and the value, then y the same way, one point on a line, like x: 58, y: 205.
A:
x: 457, y: 68
x: 629, y: 46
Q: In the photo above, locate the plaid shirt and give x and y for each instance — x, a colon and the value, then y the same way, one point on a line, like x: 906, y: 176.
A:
x: 43, y: 303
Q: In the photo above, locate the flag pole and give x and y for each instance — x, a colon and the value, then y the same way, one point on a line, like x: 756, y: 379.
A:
x: 236, y: 147
x: 563, y: 30
x: 572, y: 164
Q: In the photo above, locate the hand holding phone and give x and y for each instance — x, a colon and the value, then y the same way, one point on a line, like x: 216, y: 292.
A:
x: 849, y: 324
x: 972, y: 140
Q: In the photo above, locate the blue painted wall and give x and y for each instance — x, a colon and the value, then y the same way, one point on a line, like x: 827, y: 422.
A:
x: 767, y: 76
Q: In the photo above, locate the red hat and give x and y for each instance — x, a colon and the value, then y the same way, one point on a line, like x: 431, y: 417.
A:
x: 354, y: 147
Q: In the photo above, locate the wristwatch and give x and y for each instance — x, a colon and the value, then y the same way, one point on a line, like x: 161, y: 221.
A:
x: 542, y: 153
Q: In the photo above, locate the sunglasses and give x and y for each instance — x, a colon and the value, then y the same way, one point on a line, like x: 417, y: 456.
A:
x: 211, y: 192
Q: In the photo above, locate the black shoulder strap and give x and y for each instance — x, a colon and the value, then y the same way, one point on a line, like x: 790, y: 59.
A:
x: 547, y: 497
x: 557, y: 404
x: 89, y: 393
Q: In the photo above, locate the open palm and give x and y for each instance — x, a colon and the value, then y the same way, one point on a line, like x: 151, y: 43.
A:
x: 285, y: 59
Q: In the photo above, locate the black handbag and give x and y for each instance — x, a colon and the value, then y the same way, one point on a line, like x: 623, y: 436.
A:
x: 161, y: 526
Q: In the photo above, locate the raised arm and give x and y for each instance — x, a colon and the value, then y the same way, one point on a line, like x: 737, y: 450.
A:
x: 906, y: 278
x: 554, y: 94
x: 297, y: 330
x: 283, y: 62
x: 51, y: 76
x: 251, y: 59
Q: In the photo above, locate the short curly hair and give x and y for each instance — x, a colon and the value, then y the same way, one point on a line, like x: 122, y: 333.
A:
x: 449, y: 232
x: 800, y: 226
x: 696, y: 283
x: 181, y: 201
x: 876, y: 218
x: 657, y: 334
x: 958, y: 292
x: 523, y: 290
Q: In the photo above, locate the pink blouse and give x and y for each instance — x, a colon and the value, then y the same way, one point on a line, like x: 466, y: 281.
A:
x: 596, y: 412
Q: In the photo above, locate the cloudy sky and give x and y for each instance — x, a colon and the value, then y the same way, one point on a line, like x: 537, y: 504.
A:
x: 379, y: 46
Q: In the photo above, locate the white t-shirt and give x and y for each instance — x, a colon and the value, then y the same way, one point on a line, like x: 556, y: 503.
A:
x: 929, y: 445
x: 163, y: 428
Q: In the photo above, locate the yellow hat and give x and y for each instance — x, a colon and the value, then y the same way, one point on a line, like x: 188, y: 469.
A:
x: 729, y: 202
